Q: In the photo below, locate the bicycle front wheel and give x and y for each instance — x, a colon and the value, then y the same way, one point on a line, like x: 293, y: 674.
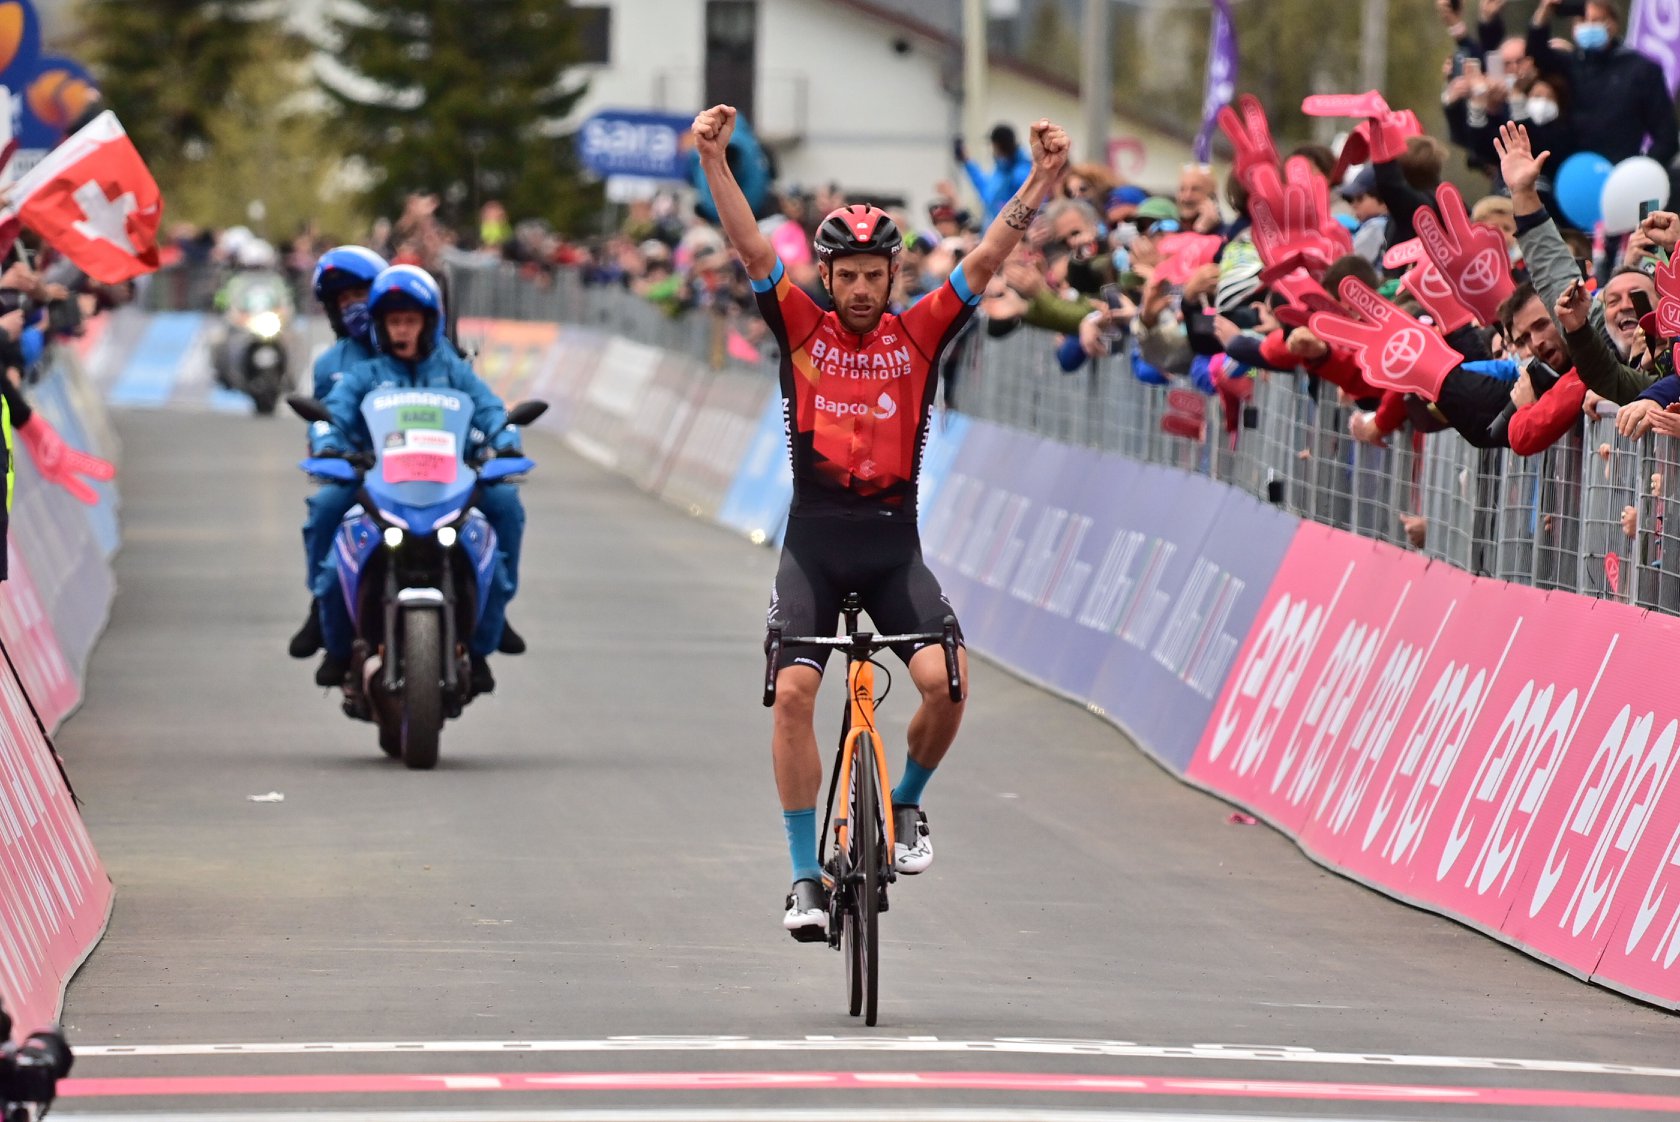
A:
x: 864, y: 844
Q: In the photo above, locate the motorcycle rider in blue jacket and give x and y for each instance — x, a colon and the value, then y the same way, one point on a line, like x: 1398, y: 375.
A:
x: 342, y: 279
x: 407, y: 311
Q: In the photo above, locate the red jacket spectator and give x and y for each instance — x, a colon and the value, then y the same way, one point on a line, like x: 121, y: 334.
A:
x: 1338, y: 367
x: 1535, y: 428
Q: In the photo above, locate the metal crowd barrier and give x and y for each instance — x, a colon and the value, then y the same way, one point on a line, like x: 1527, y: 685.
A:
x: 1590, y: 514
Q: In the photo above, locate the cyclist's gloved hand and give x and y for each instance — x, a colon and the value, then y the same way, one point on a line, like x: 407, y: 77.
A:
x: 324, y: 440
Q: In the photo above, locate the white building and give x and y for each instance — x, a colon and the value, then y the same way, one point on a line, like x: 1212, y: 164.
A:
x: 862, y: 93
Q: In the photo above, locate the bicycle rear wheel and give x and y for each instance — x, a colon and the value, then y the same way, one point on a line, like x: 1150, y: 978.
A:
x: 863, y: 958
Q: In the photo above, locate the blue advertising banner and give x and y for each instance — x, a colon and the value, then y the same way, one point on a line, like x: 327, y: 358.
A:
x: 621, y: 142
x: 1125, y: 585
x: 757, y: 503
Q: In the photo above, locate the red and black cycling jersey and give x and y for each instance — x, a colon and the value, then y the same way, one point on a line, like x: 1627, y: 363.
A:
x: 857, y: 407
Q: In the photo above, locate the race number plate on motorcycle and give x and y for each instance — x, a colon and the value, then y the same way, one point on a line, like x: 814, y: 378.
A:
x: 420, y: 456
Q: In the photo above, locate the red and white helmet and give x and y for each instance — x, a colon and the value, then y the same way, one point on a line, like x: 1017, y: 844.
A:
x: 857, y: 230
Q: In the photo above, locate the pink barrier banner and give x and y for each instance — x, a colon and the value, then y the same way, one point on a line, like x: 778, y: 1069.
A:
x: 1494, y: 753
x: 54, y: 894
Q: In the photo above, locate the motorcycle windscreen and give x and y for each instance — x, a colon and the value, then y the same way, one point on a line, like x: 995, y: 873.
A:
x: 420, y: 438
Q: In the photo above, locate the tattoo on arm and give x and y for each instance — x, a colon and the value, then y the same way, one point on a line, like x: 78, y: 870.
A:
x: 1018, y: 215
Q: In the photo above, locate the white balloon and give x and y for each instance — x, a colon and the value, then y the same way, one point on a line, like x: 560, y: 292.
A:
x: 1635, y: 180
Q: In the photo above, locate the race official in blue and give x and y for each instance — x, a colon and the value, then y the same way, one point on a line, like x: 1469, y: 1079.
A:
x: 407, y: 313
x: 342, y: 279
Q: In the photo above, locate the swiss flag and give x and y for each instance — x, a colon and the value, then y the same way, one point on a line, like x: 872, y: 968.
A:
x: 93, y: 199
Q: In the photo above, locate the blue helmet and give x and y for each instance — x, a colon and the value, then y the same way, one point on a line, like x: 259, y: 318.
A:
x: 406, y: 288
x: 348, y: 266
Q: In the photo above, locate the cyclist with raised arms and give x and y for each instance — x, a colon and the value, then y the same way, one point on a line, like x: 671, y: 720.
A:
x: 857, y: 386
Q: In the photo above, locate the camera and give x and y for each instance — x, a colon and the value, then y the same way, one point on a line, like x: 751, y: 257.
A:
x: 29, y: 1072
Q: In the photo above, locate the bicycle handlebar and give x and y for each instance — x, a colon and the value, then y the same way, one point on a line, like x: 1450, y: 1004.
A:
x: 862, y: 644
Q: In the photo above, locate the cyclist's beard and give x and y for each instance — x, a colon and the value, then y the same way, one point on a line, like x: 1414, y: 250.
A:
x: 860, y: 322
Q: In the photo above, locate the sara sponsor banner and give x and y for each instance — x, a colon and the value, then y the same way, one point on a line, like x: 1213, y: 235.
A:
x: 1494, y: 753
x: 1125, y: 585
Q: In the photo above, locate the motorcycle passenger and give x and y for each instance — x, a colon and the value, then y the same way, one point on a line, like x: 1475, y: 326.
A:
x: 407, y: 313
x: 342, y: 279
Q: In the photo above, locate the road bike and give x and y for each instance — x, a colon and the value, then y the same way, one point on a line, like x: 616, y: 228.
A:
x: 861, y: 867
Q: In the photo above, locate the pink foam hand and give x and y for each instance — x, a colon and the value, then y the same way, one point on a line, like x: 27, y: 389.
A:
x: 59, y: 463
x: 1307, y: 210
x: 1667, y: 277
x: 1471, y: 256
x: 1403, y: 254
x: 1184, y: 253
x: 1393, y: 350
x: 1426, y: 283
x: 1368, y: 104
x: 1250, y: 135
x: 1390, y: 132
x: 1306, y: 298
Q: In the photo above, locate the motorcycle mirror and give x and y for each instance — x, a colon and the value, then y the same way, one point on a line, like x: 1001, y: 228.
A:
x: 308, y: 408
x: 526, y: 412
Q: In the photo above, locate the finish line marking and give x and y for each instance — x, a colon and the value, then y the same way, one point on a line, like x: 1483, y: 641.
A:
x: 922, y: 1044
x: 937, y: 1114
x: 591, y: 1082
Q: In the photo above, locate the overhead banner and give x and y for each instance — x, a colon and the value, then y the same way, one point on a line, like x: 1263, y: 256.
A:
x: 1654, y: 32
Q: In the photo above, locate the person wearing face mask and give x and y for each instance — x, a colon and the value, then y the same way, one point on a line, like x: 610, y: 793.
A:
x: 1621, y: 96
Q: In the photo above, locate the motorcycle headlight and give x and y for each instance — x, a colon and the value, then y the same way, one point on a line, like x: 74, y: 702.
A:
x: 446, y: 537
x: 393, y: 537
x: 266, y: 325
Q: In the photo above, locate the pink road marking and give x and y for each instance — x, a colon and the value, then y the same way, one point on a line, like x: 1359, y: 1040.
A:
x: 574, y: 1082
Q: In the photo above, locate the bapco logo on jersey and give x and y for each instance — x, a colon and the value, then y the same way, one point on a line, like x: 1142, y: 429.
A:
x: 884, y: 409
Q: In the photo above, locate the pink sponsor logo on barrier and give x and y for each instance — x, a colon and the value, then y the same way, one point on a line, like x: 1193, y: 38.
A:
x: 54, y: 895
x: 1494, y: 753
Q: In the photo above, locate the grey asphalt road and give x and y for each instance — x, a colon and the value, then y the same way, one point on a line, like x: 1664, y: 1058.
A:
x: 600, y: 855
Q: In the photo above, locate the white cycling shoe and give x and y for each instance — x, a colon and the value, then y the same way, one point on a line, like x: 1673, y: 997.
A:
x: 807, y: 912
x: 912, y: 844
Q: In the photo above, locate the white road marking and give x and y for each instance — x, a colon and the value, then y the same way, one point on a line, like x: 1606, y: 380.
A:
x: 1230, y: 1053
x: 733, y: 1114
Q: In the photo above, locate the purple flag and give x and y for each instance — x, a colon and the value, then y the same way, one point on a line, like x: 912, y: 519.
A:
x: 1655, y: 33
x: 1222, y: 75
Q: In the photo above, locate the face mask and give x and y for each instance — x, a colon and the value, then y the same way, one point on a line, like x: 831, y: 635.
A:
x: 1542, y: 111
x: 356, y: 320
x: 1122, y: 261
x: 1592, y: 36
x: 1127, y: 233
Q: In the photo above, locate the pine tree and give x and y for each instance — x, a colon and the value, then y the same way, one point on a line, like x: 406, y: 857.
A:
x: 461, y: 99
x: 167, y: 67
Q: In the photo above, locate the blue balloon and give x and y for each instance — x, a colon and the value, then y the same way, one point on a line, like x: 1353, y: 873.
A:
x: 1579, y: 187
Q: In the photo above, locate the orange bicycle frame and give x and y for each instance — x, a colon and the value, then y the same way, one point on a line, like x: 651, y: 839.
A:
x: 860, y: 685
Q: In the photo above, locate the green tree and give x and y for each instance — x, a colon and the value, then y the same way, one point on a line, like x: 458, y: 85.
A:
x: 271, y: 143
x: 167, y: 68
x: 461, y: 99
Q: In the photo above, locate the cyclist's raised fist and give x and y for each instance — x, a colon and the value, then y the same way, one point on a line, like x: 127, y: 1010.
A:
x: 1049, y: 146
x: 713, y: 128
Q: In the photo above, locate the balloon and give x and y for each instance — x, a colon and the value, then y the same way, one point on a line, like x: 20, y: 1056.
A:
x: 1635, y: 180
x: 1579, y: 184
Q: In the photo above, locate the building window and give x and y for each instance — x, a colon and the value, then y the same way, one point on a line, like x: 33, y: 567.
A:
x: 594, y: 31
x: 731, y: 54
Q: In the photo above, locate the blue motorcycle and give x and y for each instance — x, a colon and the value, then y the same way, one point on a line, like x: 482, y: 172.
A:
x: 415, y: 559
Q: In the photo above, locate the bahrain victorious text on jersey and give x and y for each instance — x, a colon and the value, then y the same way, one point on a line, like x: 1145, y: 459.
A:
x: 857, y: 405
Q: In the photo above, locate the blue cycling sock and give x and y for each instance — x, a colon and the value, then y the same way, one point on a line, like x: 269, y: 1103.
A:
x: 909, y: 789
x: 801, y: 826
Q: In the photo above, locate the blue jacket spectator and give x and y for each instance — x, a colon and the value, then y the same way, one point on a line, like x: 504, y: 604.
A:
x: 1009, y: 171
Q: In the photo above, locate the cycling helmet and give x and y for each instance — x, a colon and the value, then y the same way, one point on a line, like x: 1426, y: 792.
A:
x: 348, y: 266
x: 406, y: 288
x: 857, y: 230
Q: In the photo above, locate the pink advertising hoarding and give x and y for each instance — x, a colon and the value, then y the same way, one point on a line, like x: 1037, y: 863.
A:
x: 1498, y: 754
